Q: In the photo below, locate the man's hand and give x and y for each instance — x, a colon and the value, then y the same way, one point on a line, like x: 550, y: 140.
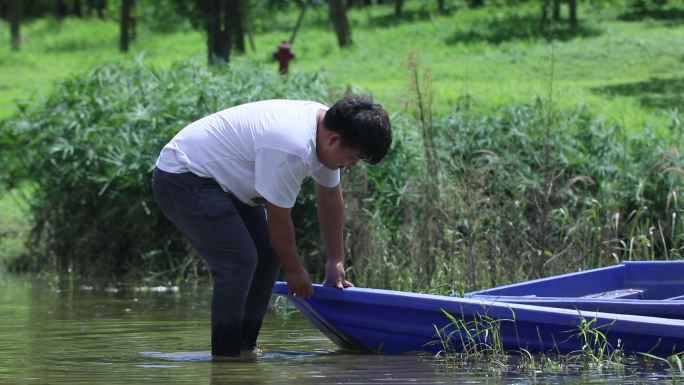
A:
x: 330, y: 207
x: 298, y: 282
x: 335, y: 275
x: 282, y: 238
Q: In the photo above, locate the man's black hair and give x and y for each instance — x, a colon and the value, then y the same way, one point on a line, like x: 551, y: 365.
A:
x: 363, y: 125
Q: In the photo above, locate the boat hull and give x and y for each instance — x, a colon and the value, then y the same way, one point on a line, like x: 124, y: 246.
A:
x: 393, y: 322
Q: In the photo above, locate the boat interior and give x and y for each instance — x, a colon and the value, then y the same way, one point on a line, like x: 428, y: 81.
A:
x: 653, y: 280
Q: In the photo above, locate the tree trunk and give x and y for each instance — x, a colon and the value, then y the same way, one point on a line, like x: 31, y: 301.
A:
x: 338, y: 16
x: 572, y: 14
x: 556, y: 10
x: 229, y: 17
x: 90, y: 7
x: 77, y: 8
x: 61, y: 9
x: 219, y: 34
x: 209, y: 22
x: 250, y: 34
x: 441, y: 6
x: 133, y: 22
x: 398, y: 4
x: 213, y: 30
x: 544, y: 16
x: 14, y: 16
x: 476, y: 3
x: 98, y: 6
x: 125, y: 25
x: 224, y: 28
x: 101, y: 8
x: 235, y: 13
x: 298, y: 24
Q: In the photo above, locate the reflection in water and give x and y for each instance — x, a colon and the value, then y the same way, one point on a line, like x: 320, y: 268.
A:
x: 330, y: 368
x: 178, y: 356
x: 127, y: 337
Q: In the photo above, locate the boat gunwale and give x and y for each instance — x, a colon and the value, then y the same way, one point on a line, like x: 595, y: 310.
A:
x: 398, y: 299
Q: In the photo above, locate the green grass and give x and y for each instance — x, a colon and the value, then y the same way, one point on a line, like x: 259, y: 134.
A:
x: 512, y: 71
x: 477, y: 341
x: 629, y: 72
x: 52, y: 51
x: 674, y: 362
x: 495, y: 218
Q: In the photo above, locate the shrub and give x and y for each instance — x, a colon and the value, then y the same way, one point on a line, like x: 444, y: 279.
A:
x: 517, y: 193
x: 520, y: 193
x: 90, y: 147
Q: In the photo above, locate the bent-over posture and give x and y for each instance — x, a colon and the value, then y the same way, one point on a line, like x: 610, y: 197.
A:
x: 229, y: 180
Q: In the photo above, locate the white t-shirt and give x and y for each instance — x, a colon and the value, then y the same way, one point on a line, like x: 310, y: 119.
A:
x: 260, y: 150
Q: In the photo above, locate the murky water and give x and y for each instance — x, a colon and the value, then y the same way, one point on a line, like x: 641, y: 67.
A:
x: 94, y: 336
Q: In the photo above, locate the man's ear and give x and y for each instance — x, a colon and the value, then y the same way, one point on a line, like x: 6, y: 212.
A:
x: 334, y: 138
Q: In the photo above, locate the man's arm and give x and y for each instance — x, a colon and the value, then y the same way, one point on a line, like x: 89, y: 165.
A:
x: 281, y: 230
x: 330, y: 209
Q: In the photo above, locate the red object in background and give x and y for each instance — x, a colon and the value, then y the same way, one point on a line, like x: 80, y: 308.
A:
x: 283, y: 54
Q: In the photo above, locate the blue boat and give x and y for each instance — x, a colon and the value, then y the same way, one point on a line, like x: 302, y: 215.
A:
x: 654, y: 288
x: 394, y: 322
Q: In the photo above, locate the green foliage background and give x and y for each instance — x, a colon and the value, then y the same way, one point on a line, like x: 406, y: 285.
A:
x: 89, y: 150
x: 523, y: 192
x: 549, y: 150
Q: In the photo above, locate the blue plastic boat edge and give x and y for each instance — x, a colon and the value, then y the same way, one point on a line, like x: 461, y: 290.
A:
x: 325, y: 327
x: 391, y: 322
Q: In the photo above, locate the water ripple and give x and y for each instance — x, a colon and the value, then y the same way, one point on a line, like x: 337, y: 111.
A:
x: 99, y: 337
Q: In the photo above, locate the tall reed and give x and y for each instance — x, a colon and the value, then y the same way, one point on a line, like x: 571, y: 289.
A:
x: 461, y: 202
x: 515, y: 200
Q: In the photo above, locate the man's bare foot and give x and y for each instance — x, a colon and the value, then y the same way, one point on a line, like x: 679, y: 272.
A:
x: 245, y: 355
x: 252, y: 354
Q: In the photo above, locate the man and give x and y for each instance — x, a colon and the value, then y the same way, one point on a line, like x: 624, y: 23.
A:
x: 229, y: 180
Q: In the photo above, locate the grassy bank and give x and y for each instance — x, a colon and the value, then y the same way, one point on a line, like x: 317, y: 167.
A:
x: 464, y: 201
x: 542, y: 156
x: 53, y: 51
x: 628, y: 71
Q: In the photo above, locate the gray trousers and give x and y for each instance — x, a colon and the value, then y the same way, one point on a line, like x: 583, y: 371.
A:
x: 233, y: 238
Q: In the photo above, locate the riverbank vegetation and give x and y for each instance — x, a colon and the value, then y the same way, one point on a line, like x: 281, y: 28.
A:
x: 477, y: 345
x: 88, y: 149
x: 516, y: 156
